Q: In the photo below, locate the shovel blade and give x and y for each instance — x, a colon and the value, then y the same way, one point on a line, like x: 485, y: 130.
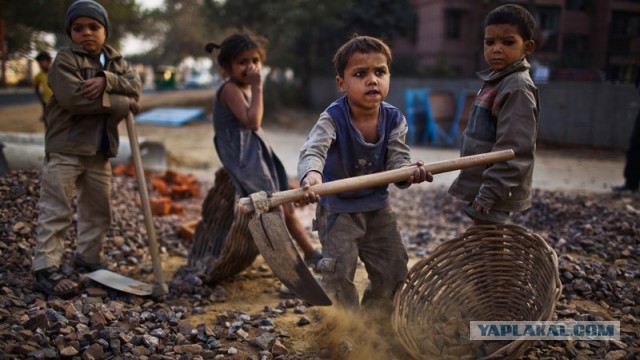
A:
x: 276, y: 246
x: 120, y: 282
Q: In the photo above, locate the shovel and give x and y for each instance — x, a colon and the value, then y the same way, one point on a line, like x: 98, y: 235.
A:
x: 274, y: 241
x: 120, y: 282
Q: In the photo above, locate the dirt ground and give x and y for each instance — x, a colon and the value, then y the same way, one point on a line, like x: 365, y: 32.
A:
x: 190, y: 147
x: 249, y: 292
x: 190, y: 150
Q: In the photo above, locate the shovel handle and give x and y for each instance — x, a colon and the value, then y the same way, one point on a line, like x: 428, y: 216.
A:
x: 377, y: 179
x: 159, y: 288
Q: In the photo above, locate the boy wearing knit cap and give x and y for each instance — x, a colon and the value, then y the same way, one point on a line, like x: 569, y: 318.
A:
x: 94, y: 88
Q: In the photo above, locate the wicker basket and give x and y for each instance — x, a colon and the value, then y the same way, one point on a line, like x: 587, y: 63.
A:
x: 490, y: 273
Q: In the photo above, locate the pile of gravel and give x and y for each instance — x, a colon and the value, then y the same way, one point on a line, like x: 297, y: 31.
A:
x: 597, y: 245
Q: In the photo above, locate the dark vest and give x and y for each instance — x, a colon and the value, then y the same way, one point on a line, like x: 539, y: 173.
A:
x: 351, y: 156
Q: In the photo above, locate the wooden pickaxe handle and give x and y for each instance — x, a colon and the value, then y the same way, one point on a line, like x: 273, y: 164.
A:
x: 378, y: 179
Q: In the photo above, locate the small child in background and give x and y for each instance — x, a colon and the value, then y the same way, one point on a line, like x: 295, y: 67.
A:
x: 504, y: 116
x: 40, y: 81
x: 94, y: 88
x: 239, y: 139
x: 359, y: 134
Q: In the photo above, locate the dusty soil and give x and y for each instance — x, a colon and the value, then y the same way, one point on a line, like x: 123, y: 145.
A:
x: 256, y: 287
x: 189, y: 147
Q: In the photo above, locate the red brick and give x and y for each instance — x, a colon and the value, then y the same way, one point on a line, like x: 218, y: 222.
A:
x: 160, y: 186
x: 131, y: 169
x: 160, y: 206
x: 177, y: 209
x: 119, y: 169
x: 180, y: 192
x: 188, y: 229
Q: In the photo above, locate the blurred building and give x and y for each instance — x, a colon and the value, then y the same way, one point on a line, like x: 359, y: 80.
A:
x: 577, y: 39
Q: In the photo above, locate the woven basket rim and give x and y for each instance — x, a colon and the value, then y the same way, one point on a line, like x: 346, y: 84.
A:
x: 454, y: 273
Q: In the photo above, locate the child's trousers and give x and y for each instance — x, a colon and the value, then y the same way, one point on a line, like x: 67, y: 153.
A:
x: 91, y: 177
x: 374, y: 237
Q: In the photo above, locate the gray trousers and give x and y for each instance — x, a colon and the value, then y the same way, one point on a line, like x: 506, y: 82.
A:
x: 61, y: 174
x: 372, y: 236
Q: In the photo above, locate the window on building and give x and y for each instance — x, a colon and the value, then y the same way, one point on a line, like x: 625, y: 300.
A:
x: 625, y: 24
x: 574, y: 44
x: 624, y: 27
x: 453, y: 23
x: 577, y: 5
x: 548, y: 19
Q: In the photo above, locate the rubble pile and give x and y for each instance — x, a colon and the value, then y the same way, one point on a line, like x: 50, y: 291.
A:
x: 597, y: 241
x: 598, y: 247
x: 169, y: 187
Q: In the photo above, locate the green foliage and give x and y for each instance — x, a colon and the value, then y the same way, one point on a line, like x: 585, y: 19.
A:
x: 27, y: 20
x: 281, y: 93
x: 183, y: 27
x: 304, y: 34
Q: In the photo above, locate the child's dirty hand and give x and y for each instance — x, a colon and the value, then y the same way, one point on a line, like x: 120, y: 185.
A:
x: 312, y: 178
x: 134, y: 107
x: 480, y: 209
x: 420, y: 174
x: 94, y: 87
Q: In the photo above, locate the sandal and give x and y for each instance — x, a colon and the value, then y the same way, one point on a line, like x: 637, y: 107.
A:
x: 88, y: 266
x: 50, y: 279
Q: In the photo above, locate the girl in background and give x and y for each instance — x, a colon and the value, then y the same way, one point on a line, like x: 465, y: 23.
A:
x: 239, y: 138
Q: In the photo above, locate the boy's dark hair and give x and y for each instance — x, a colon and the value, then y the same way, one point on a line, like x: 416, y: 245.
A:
x: 43, y: 55
x: 236, y: 44
x: 512, y: 14
x: 363, y: 44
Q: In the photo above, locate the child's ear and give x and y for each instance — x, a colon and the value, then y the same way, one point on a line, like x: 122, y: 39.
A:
x: 340, y: 83
x: 529, y: 47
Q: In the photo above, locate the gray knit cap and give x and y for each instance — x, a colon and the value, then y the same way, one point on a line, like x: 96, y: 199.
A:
x: 88, y: 8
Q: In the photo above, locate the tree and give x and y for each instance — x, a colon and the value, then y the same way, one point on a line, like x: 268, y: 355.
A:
x: 181, y: 28
x: 43, y: 16
x: 26, y: 21
x: 304, y: 34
